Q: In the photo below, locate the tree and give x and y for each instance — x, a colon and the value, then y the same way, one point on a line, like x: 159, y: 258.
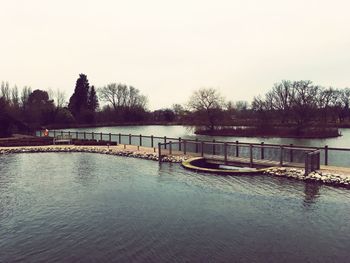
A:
x: 166, y: 115
x: 127, y: 102
x: 60, y: 98
x: 304, y: 101
x: 5, y: 91
x: 5, y: 119
x: 93, y: 100
x: 280, y: 99
x: 40, y: 110
x: 121, y: 96
x: 26, y: 91
x: 15, y: 97
x: 207, y: 103
x: 78, y: 102
x: 64, y: 116
x: 325, y: 99
x: 345, y: 103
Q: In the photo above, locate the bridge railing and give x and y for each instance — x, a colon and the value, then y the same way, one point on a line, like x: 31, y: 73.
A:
x: 252, y: 155
x: 291, y: 153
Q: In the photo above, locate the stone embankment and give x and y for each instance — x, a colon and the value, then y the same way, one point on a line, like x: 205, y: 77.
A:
x: 95, y: 149
x: 317, y: 176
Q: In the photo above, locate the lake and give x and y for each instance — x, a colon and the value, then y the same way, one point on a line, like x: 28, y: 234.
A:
x: 69, y: 207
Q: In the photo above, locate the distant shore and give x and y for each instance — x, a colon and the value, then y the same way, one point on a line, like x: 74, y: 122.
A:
x: 282, y: 132
x: 110, y: 124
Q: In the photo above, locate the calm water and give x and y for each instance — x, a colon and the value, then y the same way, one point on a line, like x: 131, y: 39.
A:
x: 72, y: 207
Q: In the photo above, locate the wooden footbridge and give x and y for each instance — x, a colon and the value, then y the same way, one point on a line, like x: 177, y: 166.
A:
x: 249, y: 154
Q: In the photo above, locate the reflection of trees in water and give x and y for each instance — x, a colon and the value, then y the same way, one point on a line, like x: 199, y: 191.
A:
x: 311, y: 192
x: 85, y: 168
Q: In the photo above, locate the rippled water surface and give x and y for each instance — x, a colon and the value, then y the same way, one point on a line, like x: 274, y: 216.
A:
x: 64, y: 207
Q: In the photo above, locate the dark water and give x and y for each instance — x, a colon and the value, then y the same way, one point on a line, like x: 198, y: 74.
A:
x: 71, y: 207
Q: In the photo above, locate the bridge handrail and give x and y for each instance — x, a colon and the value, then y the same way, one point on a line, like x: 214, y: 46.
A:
x: 164, y: 139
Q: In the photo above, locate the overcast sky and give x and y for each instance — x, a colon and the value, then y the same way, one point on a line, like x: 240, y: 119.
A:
x: 167, y: 49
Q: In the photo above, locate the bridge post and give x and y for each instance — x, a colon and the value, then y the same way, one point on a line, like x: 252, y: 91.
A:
x: 291, y: 153
x: 84, y: 135
x: 196, y: 145
x: 140, y: 140
x: 92, y: 135
x: 119, y: 138
x: 262, y: 151
x: 159, y: 152
x: 170, y: 148
x: 251, y: 154
x: 152, y: 143
x: 54, y: 133
x: 237, y: 149
x: 213, y: 146
x: 185, y: 147
x: 101, y: 137
x: 110, y: 137
x: 202, y: 148
x: 180, y: 144
x: 326, y: 155
x: 225, y: 152
x: 76, y: 135
x: 164, y: 142
x: 306, y: 163
x: 281, y: 155
x: 129, y: 138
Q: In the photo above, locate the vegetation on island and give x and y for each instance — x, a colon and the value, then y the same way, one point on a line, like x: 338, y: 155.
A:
x: 289, y: 109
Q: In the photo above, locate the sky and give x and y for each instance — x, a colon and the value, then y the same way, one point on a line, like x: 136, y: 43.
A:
x: 168, y: 49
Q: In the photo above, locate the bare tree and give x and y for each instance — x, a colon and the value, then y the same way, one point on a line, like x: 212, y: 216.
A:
x: 122, y: 96
x: 326, y: 99
x: 15, y: 96
x: 109, y: 94
x: 208, y: 101
x: 304, y: 100
x: 60, y: 98
x: 5, y: 91
x: 26, y: 91
x: 280, y: 98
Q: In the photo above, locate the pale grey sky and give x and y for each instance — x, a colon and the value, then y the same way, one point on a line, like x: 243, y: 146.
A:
x: 167, y: 49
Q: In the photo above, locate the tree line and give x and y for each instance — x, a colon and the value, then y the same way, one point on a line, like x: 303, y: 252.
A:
x: 287, y: 103
x: 294, y: 104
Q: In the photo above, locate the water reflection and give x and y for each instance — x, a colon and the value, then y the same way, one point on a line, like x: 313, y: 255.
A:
x: 84, y: 169
x: 311, y: 194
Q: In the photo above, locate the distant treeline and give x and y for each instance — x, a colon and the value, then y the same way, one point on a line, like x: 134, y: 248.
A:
x: 297, y: 104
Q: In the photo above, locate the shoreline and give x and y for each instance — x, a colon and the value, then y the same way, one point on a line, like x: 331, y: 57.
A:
x: 273, y: 133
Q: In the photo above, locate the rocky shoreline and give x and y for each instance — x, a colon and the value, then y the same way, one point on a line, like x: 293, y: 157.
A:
x: 100, y: 150
x: 316, y: 176
x: 291, y: 173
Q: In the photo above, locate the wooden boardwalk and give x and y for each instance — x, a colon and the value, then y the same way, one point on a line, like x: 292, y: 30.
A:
x: 215, y: 158
x: 238, y: 160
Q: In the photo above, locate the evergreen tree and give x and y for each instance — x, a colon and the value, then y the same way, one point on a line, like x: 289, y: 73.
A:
x: 78, y: 102
x: 93, y: 100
